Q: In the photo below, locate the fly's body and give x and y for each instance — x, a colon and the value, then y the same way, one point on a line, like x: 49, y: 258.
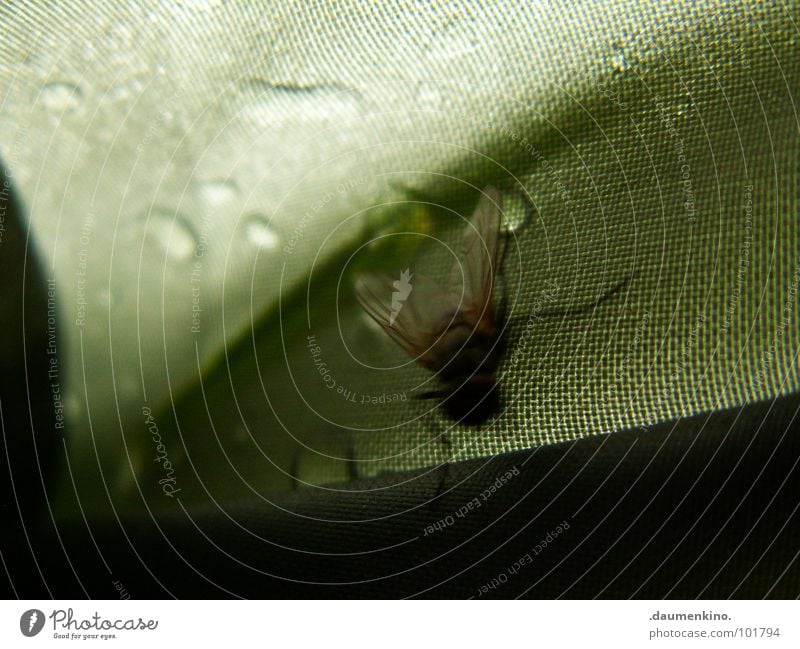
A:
x: 451, y: 329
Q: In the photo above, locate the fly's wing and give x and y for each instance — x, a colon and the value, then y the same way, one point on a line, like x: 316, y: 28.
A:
x: 417, y: 322
x: 478, y: 257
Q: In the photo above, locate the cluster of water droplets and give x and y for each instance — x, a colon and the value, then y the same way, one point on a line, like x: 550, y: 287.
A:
x: 182, y: 238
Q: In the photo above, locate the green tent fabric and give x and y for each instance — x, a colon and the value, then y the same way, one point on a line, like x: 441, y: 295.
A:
x: 203, y: 181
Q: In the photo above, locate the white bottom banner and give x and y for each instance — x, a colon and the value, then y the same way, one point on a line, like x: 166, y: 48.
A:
x: 399, y: 625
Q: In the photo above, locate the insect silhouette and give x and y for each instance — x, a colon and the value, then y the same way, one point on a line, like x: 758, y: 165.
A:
x: 454, y: 328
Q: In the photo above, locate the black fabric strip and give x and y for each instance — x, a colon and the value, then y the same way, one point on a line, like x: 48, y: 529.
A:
x: 702, y: 507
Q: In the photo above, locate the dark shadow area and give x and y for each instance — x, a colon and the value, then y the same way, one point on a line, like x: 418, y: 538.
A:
x: 32, y: 421
x: 702, y: 507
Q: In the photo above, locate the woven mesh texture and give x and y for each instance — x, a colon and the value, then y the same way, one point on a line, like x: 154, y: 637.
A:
x: 654, y: 145
x: 686, y: 197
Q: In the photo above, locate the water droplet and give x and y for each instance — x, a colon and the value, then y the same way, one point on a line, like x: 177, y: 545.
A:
x: 517, y: 211
x: 618, y: 61
x: 136, y: 86
x: 428, y: 95
x: 61, y: 96
x: 119, y: 93
x: 458, y: 38
x: 259, y: 232
x: 219, y: 191
x: 89, y: 52
x: 276, y: 104
x: 173, y: 233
